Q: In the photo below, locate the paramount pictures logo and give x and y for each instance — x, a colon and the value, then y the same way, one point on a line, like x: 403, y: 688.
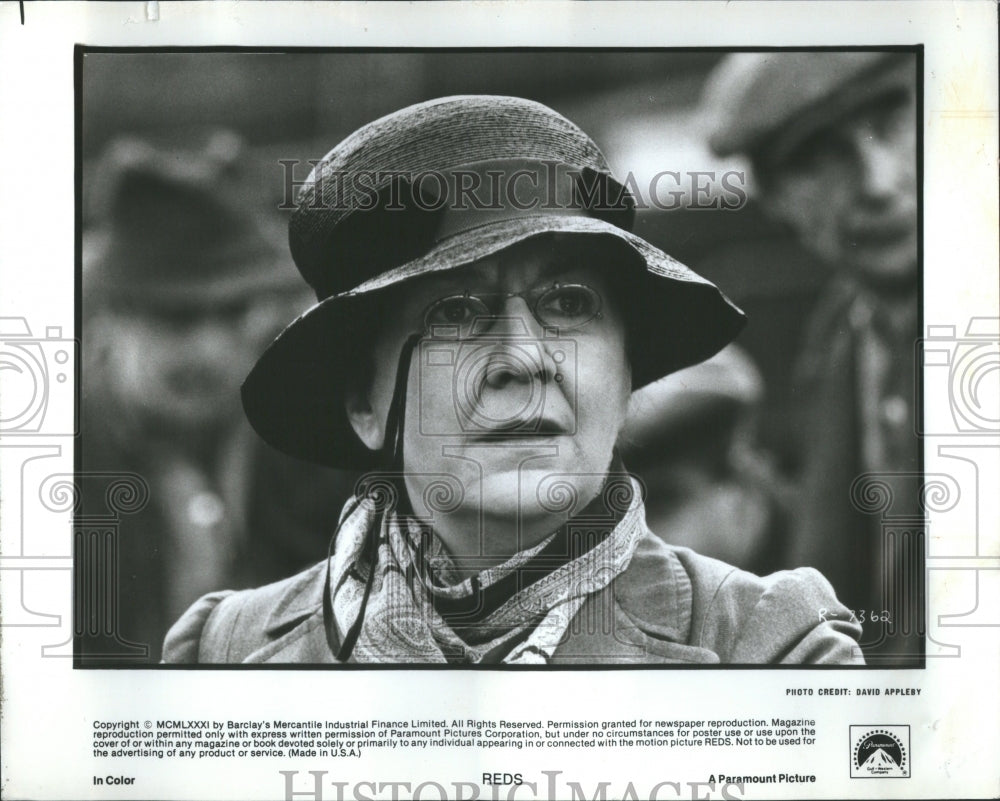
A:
x: 880, y: 752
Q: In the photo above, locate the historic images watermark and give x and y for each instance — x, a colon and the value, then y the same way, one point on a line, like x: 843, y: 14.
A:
x: 524, y: 186
x: 551, y: 785
x: 34, y: 367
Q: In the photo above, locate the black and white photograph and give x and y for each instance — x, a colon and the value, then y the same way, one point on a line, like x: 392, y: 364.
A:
x: 585, y: 357
x: 499, y: 400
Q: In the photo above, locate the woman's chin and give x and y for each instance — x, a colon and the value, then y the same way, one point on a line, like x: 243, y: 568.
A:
x: 537, y: 498
x: 524, y: 498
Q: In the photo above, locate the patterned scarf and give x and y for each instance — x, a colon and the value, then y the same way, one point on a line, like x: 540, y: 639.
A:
x: 414, y: 580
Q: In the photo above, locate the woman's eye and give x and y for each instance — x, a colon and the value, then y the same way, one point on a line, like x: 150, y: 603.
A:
x: 574, y: 303
x: 453, y: 311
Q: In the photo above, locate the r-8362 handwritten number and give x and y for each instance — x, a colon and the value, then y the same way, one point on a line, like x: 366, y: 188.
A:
x: 859, y: 615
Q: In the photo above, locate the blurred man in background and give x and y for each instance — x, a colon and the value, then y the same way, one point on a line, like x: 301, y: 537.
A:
x: 832, y: 140
x: 692, y: 439
x: 184, y: 282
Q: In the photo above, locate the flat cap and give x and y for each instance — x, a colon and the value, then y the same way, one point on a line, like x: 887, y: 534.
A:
x: 771, y: 101
x: 174, y: 226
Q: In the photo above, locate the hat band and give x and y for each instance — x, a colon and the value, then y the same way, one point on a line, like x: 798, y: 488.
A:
x: 498, y: 190
x: 414, y: 213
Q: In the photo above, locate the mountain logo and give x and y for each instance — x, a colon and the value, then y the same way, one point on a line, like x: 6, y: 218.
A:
x: 880, y: 752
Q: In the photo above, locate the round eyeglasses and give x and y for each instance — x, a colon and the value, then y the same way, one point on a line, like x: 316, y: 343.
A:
x: 565, y: 307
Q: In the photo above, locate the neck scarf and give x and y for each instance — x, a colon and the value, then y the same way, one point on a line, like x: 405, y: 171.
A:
x: 402, y: 622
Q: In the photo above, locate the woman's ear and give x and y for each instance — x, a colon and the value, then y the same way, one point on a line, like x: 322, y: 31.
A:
x: 365, y: 422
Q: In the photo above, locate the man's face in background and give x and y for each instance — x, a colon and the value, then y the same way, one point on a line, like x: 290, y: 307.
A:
x: 182, y: 364
x: 849, y: 190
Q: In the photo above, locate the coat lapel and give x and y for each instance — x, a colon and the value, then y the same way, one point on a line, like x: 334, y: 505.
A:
x: 294, y: 630
x: 642, y: 617
x: 304, y: 644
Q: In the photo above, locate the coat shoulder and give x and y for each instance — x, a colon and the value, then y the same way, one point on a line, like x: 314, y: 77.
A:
x: 792, y: 616
x: 228, y: 626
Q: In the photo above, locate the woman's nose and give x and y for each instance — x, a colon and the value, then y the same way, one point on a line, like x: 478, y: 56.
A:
x: 515, y: 319
x: 520, y: 353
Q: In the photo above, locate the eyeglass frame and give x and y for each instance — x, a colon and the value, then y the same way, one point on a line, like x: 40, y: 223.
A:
x: 536, y: 293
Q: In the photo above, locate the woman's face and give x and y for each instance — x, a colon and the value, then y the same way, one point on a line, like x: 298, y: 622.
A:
x: 510, y: 420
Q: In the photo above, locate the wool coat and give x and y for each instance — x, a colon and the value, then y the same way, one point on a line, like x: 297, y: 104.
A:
x: 669, y: 606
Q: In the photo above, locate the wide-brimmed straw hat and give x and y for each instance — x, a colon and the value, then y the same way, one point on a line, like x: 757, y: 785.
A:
x: 391, y: 203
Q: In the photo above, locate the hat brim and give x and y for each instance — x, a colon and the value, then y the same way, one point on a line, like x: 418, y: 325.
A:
x: 294, y: 396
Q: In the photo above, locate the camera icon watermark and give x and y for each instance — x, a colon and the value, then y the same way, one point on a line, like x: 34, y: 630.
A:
x: 494, y: 385
x: 442, y: 493
x: 37, y: 380
x: 961, y: 379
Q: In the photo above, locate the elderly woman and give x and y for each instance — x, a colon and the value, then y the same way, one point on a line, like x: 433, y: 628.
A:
x: 484, y: 315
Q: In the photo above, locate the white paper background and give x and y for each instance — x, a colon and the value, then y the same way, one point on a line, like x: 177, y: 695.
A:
x: 48, y: 708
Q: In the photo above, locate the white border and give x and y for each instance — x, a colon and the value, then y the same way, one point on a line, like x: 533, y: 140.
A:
x: 48, y: 708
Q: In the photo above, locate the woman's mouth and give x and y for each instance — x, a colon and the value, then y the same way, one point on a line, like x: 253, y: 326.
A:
x: 529, y: 430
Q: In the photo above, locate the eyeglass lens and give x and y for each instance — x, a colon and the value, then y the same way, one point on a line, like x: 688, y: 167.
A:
x: 563, y: 306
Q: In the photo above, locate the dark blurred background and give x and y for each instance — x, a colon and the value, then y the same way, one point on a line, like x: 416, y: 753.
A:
x: 717, y: 446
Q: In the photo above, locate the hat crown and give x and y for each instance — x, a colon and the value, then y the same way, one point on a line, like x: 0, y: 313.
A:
x: 451, y: 131
x: 431, y: 137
